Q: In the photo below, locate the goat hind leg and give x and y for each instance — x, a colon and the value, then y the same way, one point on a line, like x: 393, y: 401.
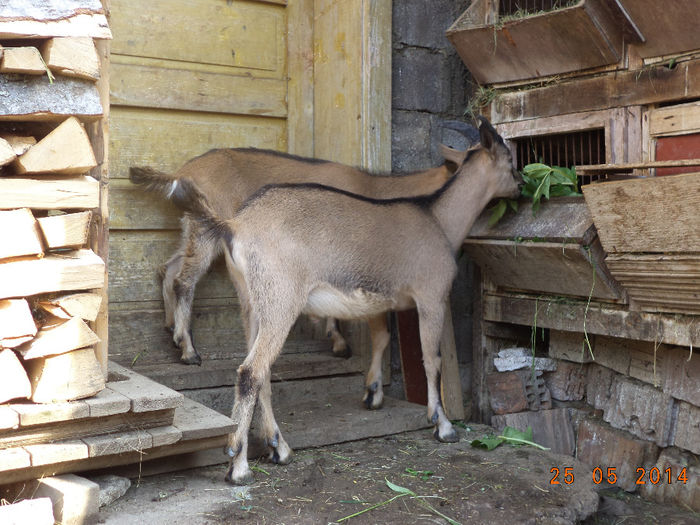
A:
x: 430, y: 324
x: 340, y: 345
x: 280, y: 452
x: 379, y: 335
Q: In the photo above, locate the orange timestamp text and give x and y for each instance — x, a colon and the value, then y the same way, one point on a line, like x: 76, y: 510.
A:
x: 608, y: 475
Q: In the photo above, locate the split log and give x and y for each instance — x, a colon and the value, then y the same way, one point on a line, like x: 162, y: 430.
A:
x: 19, y: 143
x: 73, y: 57
x: 59, y: 339
x: 7, y: 153
x: 55, y: 18
x: 49, y: 192
x: 65, y: 150
x: 65, y: 377
x: 24, y: 60
x: 69, y: 230
x: 14, y: 383
x: 16, y: 323
x: 19, y: 234
x: 76, y: 270
x: 83, y: 305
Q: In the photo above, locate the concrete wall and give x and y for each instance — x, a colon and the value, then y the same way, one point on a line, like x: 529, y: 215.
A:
x: 430, y: 84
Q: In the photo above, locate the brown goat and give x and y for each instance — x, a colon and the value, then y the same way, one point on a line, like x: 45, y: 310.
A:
x: 308, y: 248
x: 226, y: 178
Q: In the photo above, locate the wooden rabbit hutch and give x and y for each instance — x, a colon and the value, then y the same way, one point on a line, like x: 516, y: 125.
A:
x: 605, y: 288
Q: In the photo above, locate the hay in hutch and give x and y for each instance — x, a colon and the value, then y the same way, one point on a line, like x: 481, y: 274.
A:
x: 605, y: 288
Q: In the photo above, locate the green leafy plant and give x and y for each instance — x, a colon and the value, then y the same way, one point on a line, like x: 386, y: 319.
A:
x: 540, y: 180
x: 511, y: 436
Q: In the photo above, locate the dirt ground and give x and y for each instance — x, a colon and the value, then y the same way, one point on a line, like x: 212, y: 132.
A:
x: 347, y: 483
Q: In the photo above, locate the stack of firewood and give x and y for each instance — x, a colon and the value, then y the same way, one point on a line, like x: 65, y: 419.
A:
x: 50, y: 279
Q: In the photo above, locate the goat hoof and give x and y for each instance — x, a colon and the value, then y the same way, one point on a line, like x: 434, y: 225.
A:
x: 374, y: 398
x: 192, y: 360
x: 170, y: 329
x: 344, y: 352
x: 243, y: 479
x: 448, y: 437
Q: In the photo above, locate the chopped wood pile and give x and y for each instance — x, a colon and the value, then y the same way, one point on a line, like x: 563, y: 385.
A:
x: 50, y: 277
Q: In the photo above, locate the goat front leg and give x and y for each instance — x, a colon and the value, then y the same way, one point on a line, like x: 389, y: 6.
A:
x: 430, y: 324
x: 379, y: 336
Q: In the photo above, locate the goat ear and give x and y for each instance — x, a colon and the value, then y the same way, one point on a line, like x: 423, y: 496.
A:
x: 452, y: 156
x: 487, y: 135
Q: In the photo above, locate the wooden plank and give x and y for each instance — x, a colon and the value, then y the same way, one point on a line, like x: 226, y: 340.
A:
x: 50, y: 453
x: 253, y: 33
x: 36, y: 99
x: 602, y: 319
x: 142, y: 137
x: 16, y: 323
x: 33, y: 414
x: 624, y: 88
x: 414, y: 380
x: 47, y: 192
x: 196, y: 421
x: 19, y: 234
x: 300, y: 86
x: 66, y: 150
x: 14, y: 458
x: 629, y: 166
x: 77, y: 270
x: 144, y: 85
x: 72, y: 57
x: 22, y: 60
x: 85, y: 428
x: 615, y: 208
x: 132, y: 208
x: 554, y: 268
x: 680, y: 119
x: 14, y: 383
x: 83, y: 305
x: 59, y: 338
x: 65, y: 377
x: 223, y: 372
x: 56, y: 18
x: 145, y: 395
x: 118, y: 443
x: 68, y: 230
x: 451, y: 383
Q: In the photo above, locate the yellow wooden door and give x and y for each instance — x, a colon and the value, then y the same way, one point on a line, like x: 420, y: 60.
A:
x: 191, y: 75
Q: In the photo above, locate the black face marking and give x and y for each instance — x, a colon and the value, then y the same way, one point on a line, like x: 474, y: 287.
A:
x: 245, y: 382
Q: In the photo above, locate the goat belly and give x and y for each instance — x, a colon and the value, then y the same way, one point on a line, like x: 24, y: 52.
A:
x: 327, y: 301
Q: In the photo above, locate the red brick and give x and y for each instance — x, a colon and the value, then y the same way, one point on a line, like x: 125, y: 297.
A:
x: 570, y: 346
x: 600, y: 445
x: 599, y: 382
x: 550, y: 428
x: 682, y: 494
x: 641, y: 410
x: 567, y: 382
x: 537, y: 393
x: 686, y: 434
x: 506, y: 392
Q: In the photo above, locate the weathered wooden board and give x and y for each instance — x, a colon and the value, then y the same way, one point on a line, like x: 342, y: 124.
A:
x: 64, y: 377
x: 16, y: 323
x: 626, y: 88
x: 140, y: 137
x: 144, y: 85
x: 569, y: 315
x: 675, y: 120
x: 554, y: 268
x: 68, y: 230
x: 583, y: 36
x: 201, y: 32
x: 77, y: 270
x: 132, y: 208
x: 19, y: 234
x: 34, y: 98
x: 22, y: 18
x: 659, y: 283
x: 49, y: 192
x: 658, y: 214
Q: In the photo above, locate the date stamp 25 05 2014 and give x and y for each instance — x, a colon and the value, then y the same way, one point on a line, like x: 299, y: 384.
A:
x: 602, y: 475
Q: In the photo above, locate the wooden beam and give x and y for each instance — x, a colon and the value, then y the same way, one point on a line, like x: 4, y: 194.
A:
x: 679, y: 119
x: 629, y: 166
x: 68, y: 230
x: 621, y: 88
x: 49, y: 192
x: 77, y: 270
x: 19, y: 234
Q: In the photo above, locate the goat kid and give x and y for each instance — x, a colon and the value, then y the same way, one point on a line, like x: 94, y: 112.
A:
x: 226, y: 178
x: 308, y: 248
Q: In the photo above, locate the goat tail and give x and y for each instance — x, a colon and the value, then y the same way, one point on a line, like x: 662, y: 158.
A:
x: 153, y: 180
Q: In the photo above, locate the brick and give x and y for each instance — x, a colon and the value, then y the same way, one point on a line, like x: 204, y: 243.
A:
x: 550, y: 428
x: 432, y: 68
x: 118, y: 443
x: 600, y: 445
x: 682, y: 374
x: 411, y: 140
x: 686, y: 433
x: 421, y: 23
x: 35, y: 511
x: 75, y: 500
x: 506, y: 392
x: 570, y: 346
x: 599, y: 382
x: 641, y: 410
x: 518, y: 358
x: 537, y: 393
x: 51, y: 453
x: 8, y: 418
x: 676, y: 492
x: 567, y: 382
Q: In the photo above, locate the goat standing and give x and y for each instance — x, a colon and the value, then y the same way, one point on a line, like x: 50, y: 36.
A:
x: 307, y: 248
